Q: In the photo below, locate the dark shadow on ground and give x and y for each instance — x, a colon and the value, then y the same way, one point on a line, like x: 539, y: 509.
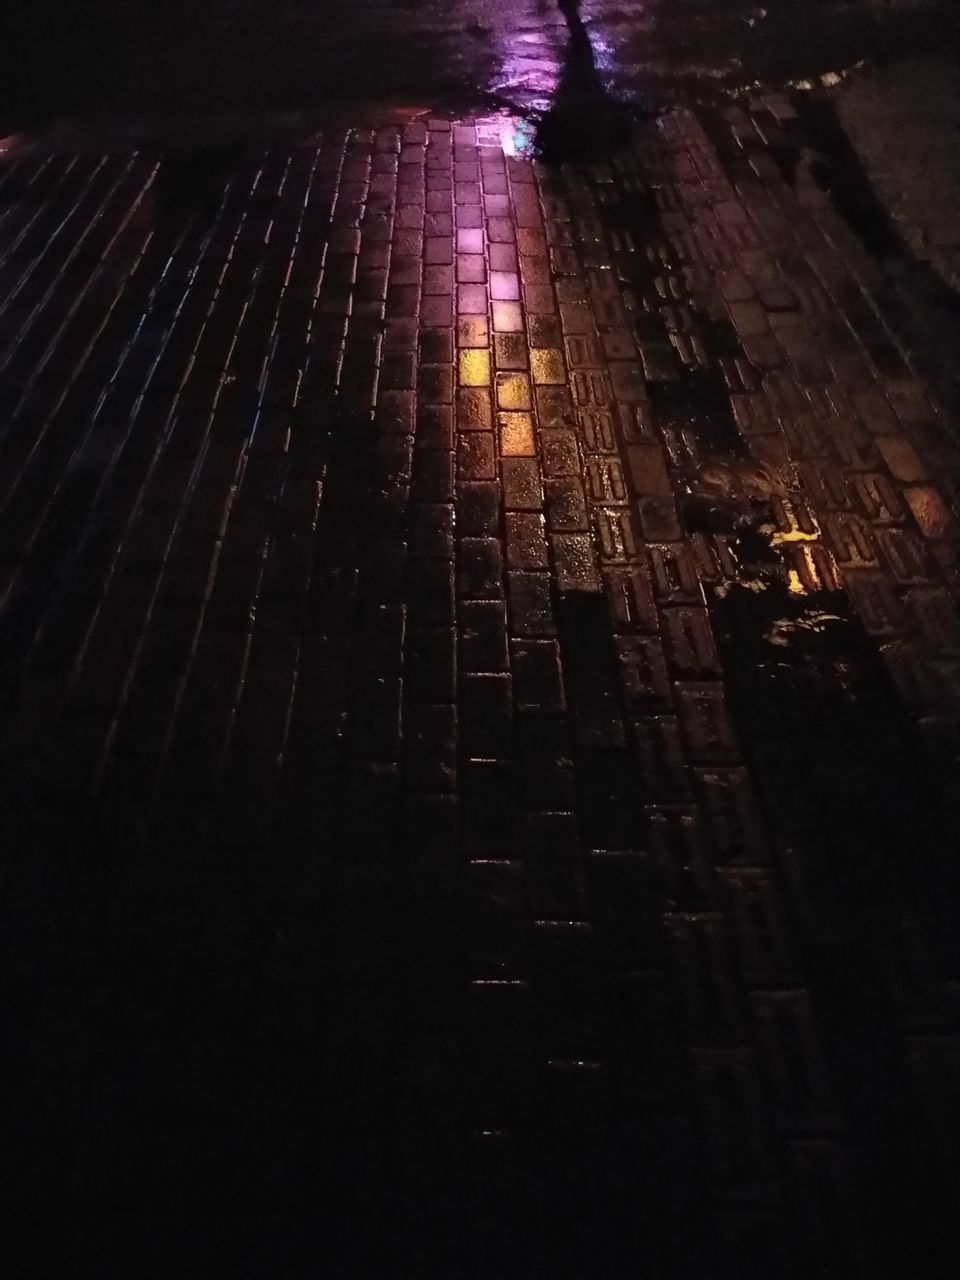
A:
x: 583, y: 122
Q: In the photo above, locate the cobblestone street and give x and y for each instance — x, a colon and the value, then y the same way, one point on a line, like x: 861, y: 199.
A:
x: 482, y: 663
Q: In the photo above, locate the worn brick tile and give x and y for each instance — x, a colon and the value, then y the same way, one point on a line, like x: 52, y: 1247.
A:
x: 430, y: 747
x: 496, y: 937
x: 478, y: 509
x: 511, y: 351
x: 429, y: 664
x: 481, y: 567
x: 471, y: 268
x: 435, y: 383
x: 503, y: 257
x: 531, y: 610
x: 487, y: 714
x: 432, y: 478
x: 537, y: 677
x: 501, y: 230
x: 559, y: 452
x: 483, y: 636
x: 521, y: 484
x: 547, y: 368
x: 375, y: 722
x: 434, y: 345
x: 476, y: 456
x: 513, y: 391
x: 516, y: 435
x: 431, y: 531
x: 606, y: 485
x: 565, y: 505
x: 554, y: 863
x: 674, y: 574
x: 472, y: 300
x: 507, y: 317
x: 434, y: 428
x: 526, y: 541
x: 430, y: 593
x: 474, y: 368
x: 504, y: 286
x: 474, y: 409
x: 574, y: 562
x: 473, y: 331
x: 436, y: 311
x: 470, y: 240
x: 930, y: 512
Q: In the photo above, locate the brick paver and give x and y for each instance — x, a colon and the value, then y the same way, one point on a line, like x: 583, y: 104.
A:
x: 483, y: 668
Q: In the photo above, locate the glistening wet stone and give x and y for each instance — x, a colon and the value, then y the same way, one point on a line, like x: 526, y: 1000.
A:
x: 497, y: 766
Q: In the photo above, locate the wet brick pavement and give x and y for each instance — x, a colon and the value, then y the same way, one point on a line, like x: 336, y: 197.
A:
x: 482, y: 665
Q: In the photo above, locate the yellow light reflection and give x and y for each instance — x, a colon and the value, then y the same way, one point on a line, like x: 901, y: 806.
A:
x: 516, y: 435
x: 800, y: 527
x: 547, y: 367
x: 474, y: 367
x: 513, y: 391
x: 785, y: 630
x: 795, y: 583
x: 929, y: 511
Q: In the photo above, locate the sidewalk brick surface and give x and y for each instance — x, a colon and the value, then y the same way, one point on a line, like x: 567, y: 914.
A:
x: 482, y: 662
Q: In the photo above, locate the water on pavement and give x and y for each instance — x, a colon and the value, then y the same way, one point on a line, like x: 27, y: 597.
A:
x: 481, y: 666
x: 174, y: 56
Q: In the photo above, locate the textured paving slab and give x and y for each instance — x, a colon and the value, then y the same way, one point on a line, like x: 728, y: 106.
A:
x: 902, y: 121
x: 482, y: 654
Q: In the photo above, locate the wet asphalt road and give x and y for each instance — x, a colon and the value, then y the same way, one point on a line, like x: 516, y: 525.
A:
x: 173, y: 55
x: 480, y: 665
